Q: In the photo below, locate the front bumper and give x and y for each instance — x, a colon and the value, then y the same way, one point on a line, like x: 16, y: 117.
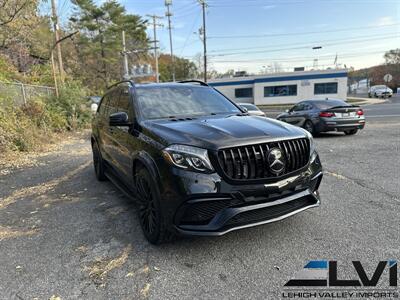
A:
x: 205, y: 204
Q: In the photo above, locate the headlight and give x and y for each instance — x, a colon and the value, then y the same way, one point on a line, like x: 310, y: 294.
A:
x: 188, y: 157
x: 313, y: 153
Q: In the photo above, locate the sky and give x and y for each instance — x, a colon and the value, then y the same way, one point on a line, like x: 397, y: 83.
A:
x: 263, y: 35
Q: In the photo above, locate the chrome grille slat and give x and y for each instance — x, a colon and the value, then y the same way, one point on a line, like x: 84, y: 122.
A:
x: 263, y: 160
x: 244, y: 163
x: 241, y: 162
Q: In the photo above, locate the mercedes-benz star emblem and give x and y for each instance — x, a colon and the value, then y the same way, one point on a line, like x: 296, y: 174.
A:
x: 276, y: 160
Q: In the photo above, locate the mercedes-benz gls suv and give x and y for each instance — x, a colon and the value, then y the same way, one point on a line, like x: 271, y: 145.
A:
x: 198, y: 164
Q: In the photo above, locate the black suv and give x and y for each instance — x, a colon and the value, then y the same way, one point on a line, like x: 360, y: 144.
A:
x: 197, y: 164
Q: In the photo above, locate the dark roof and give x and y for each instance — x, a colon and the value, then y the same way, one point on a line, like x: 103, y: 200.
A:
x: 165, y: 84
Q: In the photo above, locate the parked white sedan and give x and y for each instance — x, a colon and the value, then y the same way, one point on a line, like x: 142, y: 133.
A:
x: 380, y: 91
x: 252, y: 109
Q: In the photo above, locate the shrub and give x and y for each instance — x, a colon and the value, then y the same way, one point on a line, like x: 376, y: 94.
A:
x: 72, y: 103
x: 26, y: 127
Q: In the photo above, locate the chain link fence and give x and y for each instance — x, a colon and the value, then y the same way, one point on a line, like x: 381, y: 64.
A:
x: 22, y: 93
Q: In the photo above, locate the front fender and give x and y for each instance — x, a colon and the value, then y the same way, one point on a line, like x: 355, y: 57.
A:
x: 148, y: 162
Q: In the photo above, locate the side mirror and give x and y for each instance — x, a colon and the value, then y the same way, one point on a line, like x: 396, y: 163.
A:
x: 287, y: 110
x: 119, y: 119
x: 244, y: 109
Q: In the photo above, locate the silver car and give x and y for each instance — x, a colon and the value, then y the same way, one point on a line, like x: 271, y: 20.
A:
x: 252, y: 109
x: 380, y: 91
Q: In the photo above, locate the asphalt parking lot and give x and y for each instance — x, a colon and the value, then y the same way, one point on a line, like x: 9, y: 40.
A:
x: 63, y: 234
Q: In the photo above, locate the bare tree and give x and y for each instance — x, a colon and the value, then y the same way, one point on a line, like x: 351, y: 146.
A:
x: 11, y: 9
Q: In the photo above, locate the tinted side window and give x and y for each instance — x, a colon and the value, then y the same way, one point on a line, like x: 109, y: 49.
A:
x: 103, y: 105
x: 124, y: 103
x: 113, y: 101
x: 298, y: 107
x: 307, y: 106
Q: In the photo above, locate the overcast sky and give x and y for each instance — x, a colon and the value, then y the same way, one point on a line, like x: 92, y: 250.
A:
x: 252, y: 34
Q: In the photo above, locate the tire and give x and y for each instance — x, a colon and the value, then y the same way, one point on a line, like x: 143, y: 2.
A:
x: 98, y: 163
x: 309, y: 126
x: 369, y: 95
x: 151, y: 217
x: 351, y: 132
x: 375, y: 95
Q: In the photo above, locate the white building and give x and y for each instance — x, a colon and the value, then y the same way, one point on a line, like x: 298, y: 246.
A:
x: 360, y: 87
x: 279, y: 88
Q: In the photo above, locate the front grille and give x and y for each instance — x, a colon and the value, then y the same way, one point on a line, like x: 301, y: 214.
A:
x: 270, y: 212
x: 250, y: 162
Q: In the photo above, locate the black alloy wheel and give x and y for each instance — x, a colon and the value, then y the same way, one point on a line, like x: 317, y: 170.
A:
x: 151, y: 219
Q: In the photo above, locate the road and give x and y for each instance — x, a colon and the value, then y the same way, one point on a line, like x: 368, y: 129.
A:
x: 391, y: 108
x: 63, y: 234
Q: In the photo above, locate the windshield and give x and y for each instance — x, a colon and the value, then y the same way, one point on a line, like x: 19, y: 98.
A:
x: 168, y: 102
x: 326, y: 104
x: 380, y: 87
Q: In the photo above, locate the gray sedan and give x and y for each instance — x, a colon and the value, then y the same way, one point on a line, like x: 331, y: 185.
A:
x: 325, y: 115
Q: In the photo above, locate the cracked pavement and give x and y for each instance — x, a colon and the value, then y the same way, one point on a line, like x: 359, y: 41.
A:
x: 63, y: 234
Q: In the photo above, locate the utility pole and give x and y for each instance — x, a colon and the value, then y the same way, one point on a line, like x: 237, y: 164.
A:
x: 155, y: 24
x: 168, y: 3
x: 125, y: 56
x: 203, y: 31
x: 57, y: 38
x: 54, y: 73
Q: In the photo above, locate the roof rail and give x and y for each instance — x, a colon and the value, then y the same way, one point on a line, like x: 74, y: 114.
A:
x: 131, y: 82
x: 194, y: 81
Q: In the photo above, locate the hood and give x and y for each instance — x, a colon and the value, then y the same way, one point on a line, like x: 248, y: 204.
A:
x: 384, y: 90
x: 221, y: 131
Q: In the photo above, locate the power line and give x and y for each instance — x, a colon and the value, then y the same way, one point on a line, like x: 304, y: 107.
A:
x: 306, y: 47
x: 218, y: 3
x: 308, y: 43
x: 190, y: 33
x: 299, y: 33
x: 300, y: 59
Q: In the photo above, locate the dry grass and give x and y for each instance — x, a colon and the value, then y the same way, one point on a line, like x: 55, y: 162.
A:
x: 100, y: 268
x: 144, y: 292
x: 8, y: 232
x: 17, y: 160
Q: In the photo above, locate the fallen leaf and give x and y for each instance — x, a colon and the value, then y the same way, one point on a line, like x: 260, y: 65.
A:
x: 145, y: 290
